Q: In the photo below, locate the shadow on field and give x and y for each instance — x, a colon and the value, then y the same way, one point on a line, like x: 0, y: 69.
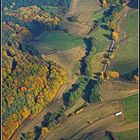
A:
x: 88, y: 89
x: 133, y: 4
x: 104, y: 27
x: 67, y: 94
x: 37, y: 131
x: 108, y: 36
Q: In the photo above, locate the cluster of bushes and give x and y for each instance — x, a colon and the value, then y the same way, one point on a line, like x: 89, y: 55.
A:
x: 52, y: 119
x: 92, y: 90
x: 77, y: 91
x: 131, y: 75
x: 112, y: 12
x: 94, y: 93
x: 115, y: 6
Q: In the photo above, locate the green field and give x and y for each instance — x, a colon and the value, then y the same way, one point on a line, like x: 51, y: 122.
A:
x: 128, y: 135
x: 106, y: 138
x: 126, y: 58
x: 98, y: 14
x: 103, y: 38
x: 130, y: 105
x: 56, y: 40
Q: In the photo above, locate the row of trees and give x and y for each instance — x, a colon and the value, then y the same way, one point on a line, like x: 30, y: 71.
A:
x: 31, y: 13
x: 77, y: 91
x: 12, y: 33
x: 92, y: 90
x: 90, y: 52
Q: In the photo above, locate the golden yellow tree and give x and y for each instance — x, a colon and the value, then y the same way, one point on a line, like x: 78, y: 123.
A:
x: 104, y: 3
x: 113, y: 74
x: 111, y: 56
x: 44, y: 131
x: 115, y: 36
x: 136, y: 78
x: 25, y: 112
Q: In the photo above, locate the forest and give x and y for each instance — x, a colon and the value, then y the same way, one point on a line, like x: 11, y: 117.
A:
x: 29, y: 81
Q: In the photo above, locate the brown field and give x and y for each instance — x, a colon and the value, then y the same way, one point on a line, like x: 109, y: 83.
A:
x: 116, y: 89
x: 125, y: 127
x: 76, y: 28
x: 76, y: 125
x: 69, y: 60
x: 83, y: 10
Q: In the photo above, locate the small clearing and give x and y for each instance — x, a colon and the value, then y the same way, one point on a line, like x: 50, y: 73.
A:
x: 56, y: 40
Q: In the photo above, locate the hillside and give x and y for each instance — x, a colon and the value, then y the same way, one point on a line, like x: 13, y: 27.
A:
x: 69, y: 69
x: 29, y: 82
x: 124, y: 62
x: 83, y: 10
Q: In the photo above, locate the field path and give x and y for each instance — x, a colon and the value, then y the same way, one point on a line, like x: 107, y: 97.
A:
x: 83, y: 10
x: 73, y: 5
x: 125, y: 127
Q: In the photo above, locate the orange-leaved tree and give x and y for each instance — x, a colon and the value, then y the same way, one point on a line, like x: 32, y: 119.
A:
x: 25, y: 112
x: 135, y: 78
x: 113, y: 74
x: 44, y: 131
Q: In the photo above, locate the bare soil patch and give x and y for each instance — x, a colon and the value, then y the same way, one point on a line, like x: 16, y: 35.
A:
x: 116, y: 89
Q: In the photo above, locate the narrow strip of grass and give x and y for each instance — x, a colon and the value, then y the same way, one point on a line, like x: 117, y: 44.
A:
x: 128, y: 135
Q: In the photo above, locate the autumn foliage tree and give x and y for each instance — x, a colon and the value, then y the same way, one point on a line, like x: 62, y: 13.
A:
x: 111, y: 56
x: 115, y: 35
x: 45, y: 131
x: 113, y: 74
x: 104, y: 3
x: 135, y: 78
x: 25, y: 112
x: 112, y: 25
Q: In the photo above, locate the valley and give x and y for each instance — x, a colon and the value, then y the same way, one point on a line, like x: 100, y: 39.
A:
x: 99, y: 75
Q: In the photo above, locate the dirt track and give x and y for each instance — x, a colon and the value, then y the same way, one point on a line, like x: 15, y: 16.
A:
x: 73, y: 128
x: 125, y: 127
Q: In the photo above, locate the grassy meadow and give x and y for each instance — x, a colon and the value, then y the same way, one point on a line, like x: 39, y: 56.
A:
x: 126, y: 58
x: 103, y: 37
x: 130, y: 106
x: 128, y: 135
x: 57, y: 40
